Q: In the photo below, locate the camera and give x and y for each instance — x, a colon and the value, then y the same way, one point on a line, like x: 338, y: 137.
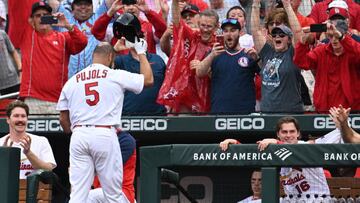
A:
x: 48, y: 19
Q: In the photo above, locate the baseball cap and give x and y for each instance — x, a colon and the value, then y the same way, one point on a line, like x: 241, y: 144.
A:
x: 340, y: 12
x: 231, y: 21
x: 190, y: 8
x: 338, y: 4
x: 284, y: 29
x: 40, y: 5
x: 78, y: 1
x: 128, y: 2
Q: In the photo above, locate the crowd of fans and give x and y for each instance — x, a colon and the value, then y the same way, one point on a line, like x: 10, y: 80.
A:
x: 272, y: 60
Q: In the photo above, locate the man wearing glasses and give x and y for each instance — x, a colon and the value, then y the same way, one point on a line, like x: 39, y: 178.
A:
x: 45, y: 54
x: 232, y: 70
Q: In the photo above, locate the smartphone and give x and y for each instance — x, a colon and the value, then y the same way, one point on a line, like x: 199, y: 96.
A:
x: 49, y: 19
x: 220, y: 39
x: 318, y: 28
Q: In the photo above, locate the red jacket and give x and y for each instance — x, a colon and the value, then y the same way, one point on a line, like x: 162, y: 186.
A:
x: 100, y: 25
x: 181, y: 86
x: 336, y: 77
x: 45, y: 58
x: 319, y: 14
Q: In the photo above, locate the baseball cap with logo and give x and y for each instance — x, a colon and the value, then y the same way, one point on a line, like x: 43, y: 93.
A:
x: 231, y: 21
x: 190, y: 8
x: 40, y: 5
x: 282, y: 28
x: 338, y: 8
x: 338, y: 12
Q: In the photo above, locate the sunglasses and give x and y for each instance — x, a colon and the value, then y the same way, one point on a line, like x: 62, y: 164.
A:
x: 281, y: 35
x: 230, y: 20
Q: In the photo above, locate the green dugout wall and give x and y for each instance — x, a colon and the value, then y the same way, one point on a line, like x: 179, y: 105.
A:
x: 153, y: 158
x: 9, y: 174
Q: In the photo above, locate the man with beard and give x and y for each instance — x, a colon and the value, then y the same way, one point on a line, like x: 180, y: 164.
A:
x: 232, y: 72
x: 36, y: 151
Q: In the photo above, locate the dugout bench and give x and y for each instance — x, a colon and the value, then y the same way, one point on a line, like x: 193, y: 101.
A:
x: 152, y: 158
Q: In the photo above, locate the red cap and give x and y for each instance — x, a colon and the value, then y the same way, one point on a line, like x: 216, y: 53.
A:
x: 338, y: 11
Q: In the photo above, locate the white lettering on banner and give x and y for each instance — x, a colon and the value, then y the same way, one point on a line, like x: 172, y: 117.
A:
x: 242, y: 156
x: 143, y: 124
x: 327, y: 123
x: 44, y: 126
x: 341, y: 156
x: 239, y: 123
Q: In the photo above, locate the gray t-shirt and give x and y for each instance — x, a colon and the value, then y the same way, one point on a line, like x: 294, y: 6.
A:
x: 8, y: 71
x: 280, y: 87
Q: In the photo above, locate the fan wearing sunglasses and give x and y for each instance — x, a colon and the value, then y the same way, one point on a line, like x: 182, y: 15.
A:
x: 232, y: 71
x: 281, y: 78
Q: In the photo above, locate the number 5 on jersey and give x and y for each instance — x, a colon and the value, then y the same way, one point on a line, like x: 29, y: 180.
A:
x: 90, y: 91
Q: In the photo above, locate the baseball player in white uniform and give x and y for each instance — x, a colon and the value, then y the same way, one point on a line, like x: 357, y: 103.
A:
x: 297, y: 181
x: 90, y: 106
x: 36, y: 150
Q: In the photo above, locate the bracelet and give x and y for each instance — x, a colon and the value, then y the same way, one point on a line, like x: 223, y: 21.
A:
x: 19, y: 70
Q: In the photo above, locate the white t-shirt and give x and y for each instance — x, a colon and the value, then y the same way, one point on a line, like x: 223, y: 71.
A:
x: 40, y: 147
x: 250, y: 199
x: 246, y: 41
x: 95, y: 95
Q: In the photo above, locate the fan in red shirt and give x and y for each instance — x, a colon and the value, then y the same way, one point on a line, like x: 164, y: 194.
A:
x: 133, y: 7
x: 320, y: 15
x: 182, y: 90
x: 336, y: 64
x: 45, y: 52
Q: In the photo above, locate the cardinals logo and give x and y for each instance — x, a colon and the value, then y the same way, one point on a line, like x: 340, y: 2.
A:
x: 243, y: 61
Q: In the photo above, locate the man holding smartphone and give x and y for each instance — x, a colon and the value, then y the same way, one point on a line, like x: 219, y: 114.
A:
x: 336, y: 65
x: 45, y: 54
x: 232, y: 70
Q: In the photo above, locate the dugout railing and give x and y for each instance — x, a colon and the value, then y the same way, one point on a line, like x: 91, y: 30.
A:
x: 153, y: 158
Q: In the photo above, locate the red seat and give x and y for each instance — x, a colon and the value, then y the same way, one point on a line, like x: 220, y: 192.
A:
x: 3, y: 105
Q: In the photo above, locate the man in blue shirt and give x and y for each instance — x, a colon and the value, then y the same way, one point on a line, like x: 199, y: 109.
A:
x: 83, y: 17
x: 145, y: 102
x: 232, y: 70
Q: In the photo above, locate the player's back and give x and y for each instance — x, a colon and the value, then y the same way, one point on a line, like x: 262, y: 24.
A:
x: 95, y: 95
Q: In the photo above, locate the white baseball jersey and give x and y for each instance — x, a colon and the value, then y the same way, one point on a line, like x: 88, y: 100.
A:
x: 250, y: 199
x: 94, y: 98
x: 333, y: 137
x: 96, y: 95
x: 304, y: 180
x: 40, y: 147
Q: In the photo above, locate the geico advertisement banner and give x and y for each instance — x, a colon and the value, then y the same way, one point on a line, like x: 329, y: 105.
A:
x: 274, y: 155
x: 198, y: 123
